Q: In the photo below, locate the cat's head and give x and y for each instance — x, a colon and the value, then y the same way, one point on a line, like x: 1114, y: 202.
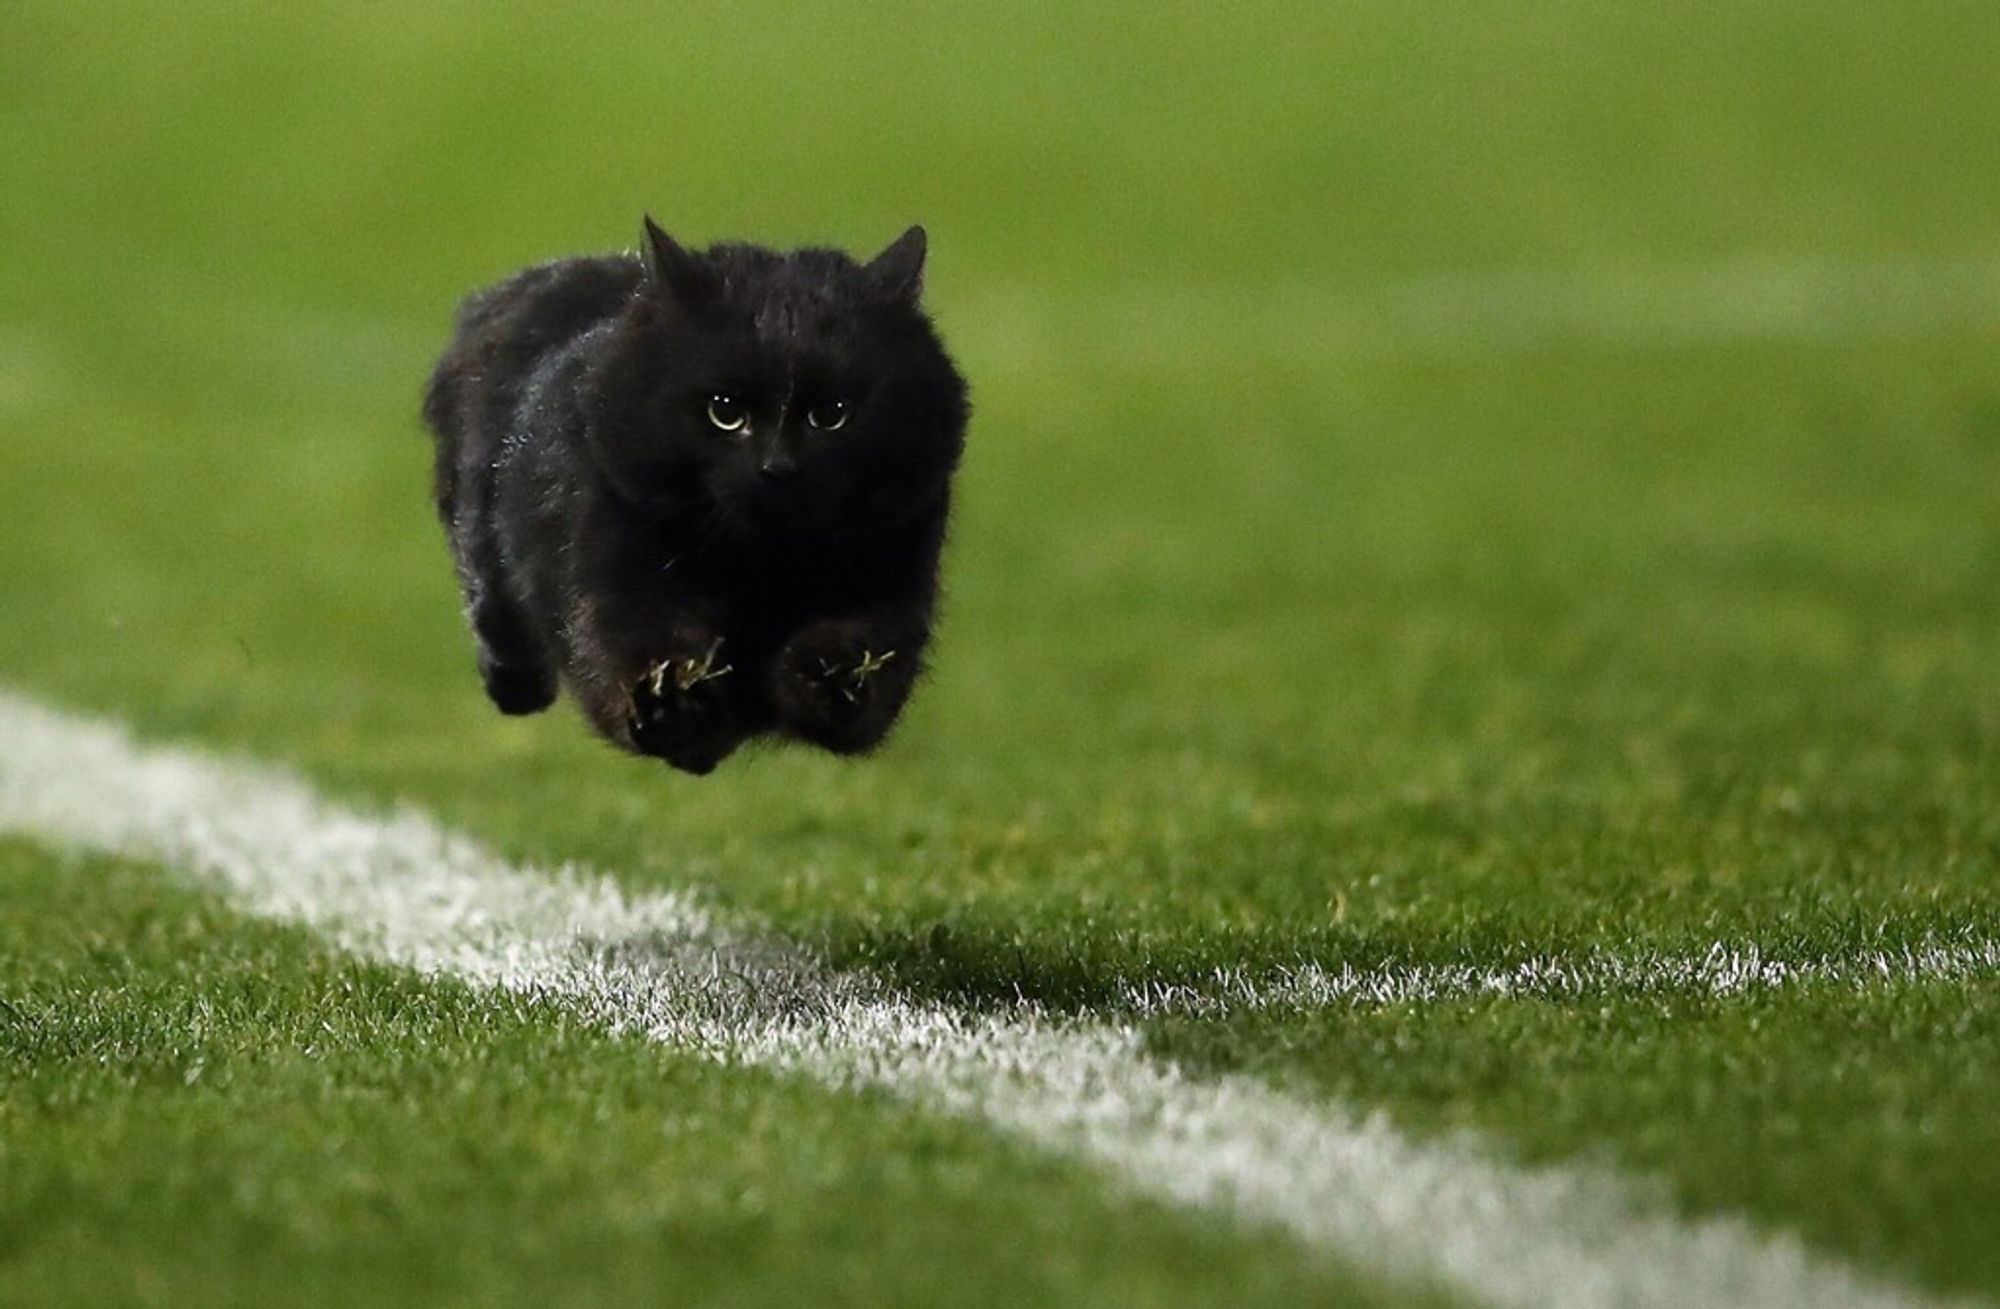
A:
x: 797, y: 390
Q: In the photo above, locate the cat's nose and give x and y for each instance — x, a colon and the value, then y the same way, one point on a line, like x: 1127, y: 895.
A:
x: 778, y: 468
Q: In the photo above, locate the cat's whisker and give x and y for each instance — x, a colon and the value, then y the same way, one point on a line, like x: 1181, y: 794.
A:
x: 718, y: 518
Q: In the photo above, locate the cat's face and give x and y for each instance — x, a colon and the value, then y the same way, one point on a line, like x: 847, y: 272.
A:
x: 789, y: 392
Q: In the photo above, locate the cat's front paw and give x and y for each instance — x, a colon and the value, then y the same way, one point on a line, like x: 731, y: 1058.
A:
x: 516, y: 690
x: 840, y: 685
x: 683, y: 710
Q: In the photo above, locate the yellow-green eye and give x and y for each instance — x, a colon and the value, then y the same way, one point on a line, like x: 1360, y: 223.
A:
x: 828, y: 417
x: 727, y: 413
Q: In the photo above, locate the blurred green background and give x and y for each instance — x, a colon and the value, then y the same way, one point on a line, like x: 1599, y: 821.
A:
x: 1529, y: 467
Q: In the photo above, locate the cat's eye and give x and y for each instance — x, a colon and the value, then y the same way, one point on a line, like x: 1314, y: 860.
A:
x: 727, y: 413
x: 829, y: 416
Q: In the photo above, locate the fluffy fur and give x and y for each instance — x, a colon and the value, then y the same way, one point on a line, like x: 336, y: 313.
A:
x: 705, y: 491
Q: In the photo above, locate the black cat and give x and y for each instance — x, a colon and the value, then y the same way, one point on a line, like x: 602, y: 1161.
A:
x: 705, y: 491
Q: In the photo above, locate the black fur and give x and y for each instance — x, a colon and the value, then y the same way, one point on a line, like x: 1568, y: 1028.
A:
x: 692, y: 586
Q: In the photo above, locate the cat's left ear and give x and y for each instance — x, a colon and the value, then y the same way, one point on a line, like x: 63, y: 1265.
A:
x: 899, y: 270
x: 673, y: 269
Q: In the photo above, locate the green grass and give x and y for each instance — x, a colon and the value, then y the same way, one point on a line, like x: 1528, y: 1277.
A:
x: 196, y: 1109
x: 1865, y: 1120
x: 1258, y: 646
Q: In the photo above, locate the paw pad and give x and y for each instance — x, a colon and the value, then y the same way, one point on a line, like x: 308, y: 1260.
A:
x: 687, y: 673
x: 857, y: 676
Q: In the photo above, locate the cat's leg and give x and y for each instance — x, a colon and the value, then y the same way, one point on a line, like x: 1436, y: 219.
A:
x: 518, y: 677
x: 686, y: 706
x: 840, y: 684
x: 665, y: 687
x: 516, y: 671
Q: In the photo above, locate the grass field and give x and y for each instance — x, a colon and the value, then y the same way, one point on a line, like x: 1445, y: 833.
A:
x: 1452, y: 486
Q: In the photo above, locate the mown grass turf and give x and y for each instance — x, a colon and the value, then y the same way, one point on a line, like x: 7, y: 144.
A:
x: 1265, y: 639
x: 200, y: 1109
x: 1864, y: 1118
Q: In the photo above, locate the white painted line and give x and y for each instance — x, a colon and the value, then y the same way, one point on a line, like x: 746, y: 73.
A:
x: 1446, y: 1216
x: 1724, y: 969
x: 1743, y: 300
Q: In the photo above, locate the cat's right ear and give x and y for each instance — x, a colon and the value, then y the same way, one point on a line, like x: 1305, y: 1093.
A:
x: 899, y: 270
x: 672, y: 269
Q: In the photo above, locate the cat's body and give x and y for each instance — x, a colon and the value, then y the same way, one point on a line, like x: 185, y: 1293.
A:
x: 706, y: 492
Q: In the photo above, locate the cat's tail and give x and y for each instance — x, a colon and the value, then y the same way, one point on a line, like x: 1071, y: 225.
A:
x: 442, y: 394
x: 441, y: 398
x: 445, y: 401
